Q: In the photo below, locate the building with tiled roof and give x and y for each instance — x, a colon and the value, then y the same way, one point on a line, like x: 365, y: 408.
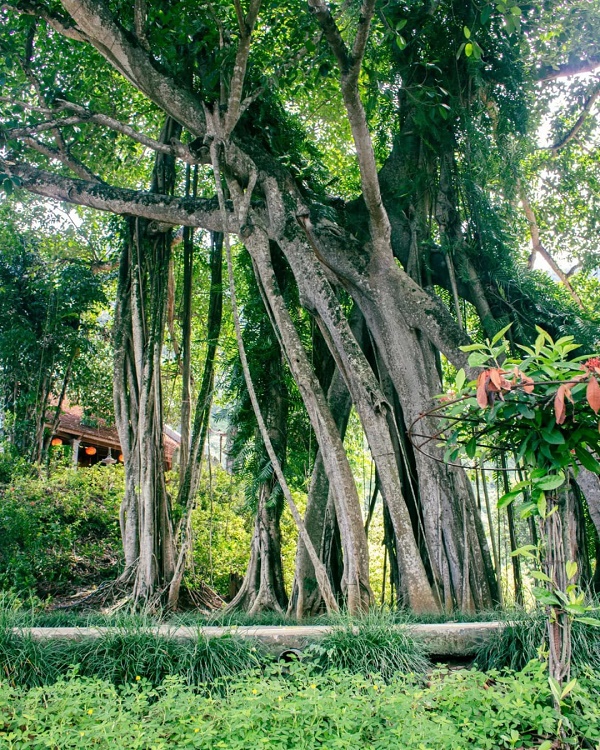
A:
x: 92, y: 441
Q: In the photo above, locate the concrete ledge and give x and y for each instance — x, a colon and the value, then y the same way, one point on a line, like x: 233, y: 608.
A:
x: 450, y: 639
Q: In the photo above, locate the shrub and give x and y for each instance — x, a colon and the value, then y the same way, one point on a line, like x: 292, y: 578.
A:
x: 60, y: 533
x: 372, y: 645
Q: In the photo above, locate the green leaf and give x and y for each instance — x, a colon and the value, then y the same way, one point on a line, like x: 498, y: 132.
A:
x: 568, y: 687
x: 507, y: 499
x: 571, y: 568
x: 527, y: 510
x: 471, y: 447
x: 539, y: 576
x: 550, y: 482
x: 401, y: 41
x: 515, y: 10
x: 460, y: 379
x: 500, y: 334
x: 586, y: 459
x: 401, y: 24
x: 468, y: 49
x: 589, y: 621
x: 467, y: 32
x: 524, y: 551
x: 555, y: 688
x: 485, y: 14
x: 546, y: 745
x: 478, y: 359
x: 553, y: 436
x: 541, y: 504
x: 519, y: 486
x: 545, y: 597
x: 544, y: 334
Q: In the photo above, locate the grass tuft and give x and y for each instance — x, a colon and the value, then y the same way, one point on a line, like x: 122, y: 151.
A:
x: 524, y: 636
x: 123, y: 655
x: 375, y: 644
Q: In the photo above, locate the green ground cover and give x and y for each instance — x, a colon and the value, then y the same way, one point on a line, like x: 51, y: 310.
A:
x: 297, y: 707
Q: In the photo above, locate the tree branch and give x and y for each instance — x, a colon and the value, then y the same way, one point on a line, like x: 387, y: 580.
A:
x: 350, y: 69
x: 129, y: 58
x: 579, y: 123
x: 63, y: 157
x: 332, y: 33
x: 164, y: 209
x: 538, y: 247
x: 241, y: 63
x: 571, y: 68
x: 362, y: 34
x: 140, y: 11
x: 175, y: 148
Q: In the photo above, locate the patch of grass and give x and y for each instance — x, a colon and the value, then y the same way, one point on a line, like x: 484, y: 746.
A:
x: 122, y: 655
x: 374, y: 644
x: 525, y: 633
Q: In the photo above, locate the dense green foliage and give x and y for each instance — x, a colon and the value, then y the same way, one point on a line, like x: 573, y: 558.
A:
x: 298, y: 708
x: 46, y: 326
x: 60, y: 532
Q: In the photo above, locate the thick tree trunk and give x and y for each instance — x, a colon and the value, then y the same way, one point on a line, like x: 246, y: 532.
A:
x: 263, y: 588
x: 445, y: 493
x: 356, y: 569
x: 146, y: 523
x: 139, y: 321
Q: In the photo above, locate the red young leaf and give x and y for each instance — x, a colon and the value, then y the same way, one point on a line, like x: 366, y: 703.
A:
x: 481, y: 390
x: 559, y: 405
x: 592, y: 394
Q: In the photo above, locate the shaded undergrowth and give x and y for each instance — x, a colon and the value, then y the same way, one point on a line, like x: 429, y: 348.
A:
x: 523, y: 638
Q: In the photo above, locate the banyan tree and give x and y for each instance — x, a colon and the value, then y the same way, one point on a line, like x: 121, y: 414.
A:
x: 378, y: 158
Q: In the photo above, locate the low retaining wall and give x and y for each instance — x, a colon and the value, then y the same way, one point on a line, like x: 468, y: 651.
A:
x: 449, y: 639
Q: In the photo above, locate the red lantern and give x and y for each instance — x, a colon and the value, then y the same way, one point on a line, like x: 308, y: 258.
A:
x: 56, y: 441
x: 121, y: 457
x: 90, y: 450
